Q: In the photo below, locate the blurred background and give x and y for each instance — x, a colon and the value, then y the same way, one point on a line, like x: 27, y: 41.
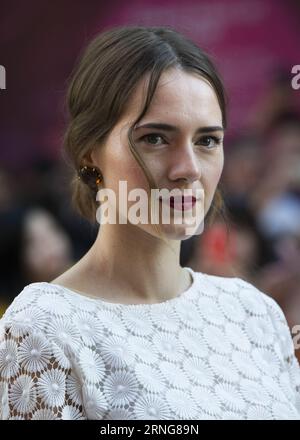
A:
x: 254, y: 43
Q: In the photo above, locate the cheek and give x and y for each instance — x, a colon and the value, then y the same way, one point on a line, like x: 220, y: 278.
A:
x: 122, y: 166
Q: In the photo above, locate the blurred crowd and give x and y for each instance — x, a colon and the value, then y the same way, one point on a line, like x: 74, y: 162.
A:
x: 257, y: 237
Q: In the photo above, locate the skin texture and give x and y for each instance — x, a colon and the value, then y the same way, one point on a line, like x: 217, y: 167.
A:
x: 131, y: 263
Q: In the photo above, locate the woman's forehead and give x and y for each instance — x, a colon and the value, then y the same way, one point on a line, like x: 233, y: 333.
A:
x: 177, y: 93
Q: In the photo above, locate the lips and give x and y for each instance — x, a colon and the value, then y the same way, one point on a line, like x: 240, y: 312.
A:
x: 181, y: 203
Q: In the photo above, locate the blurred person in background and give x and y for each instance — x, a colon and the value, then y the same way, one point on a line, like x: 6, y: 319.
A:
x: 10, y: 238
x: 46, y: 248
x: 275, y: 202
x: 37, y: 200
x: 280, y: 182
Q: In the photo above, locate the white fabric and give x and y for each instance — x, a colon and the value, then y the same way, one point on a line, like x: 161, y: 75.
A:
x: 220, y: 350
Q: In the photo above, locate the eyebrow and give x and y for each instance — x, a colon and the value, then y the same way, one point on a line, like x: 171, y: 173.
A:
x: 168, y: 127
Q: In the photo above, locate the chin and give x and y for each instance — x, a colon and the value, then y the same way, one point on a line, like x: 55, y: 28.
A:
x: 175, y: 231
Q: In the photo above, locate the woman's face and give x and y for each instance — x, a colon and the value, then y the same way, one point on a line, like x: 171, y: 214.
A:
x: 182, y: 158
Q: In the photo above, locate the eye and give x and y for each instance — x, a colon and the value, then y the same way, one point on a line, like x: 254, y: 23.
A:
x: 210, y: 141
x: 152, y: 136
x: 207, y: 141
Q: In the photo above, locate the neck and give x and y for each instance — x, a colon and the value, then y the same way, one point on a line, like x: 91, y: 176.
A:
x: 135, y: 261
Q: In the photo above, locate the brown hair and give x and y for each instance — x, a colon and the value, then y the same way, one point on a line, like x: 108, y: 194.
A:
x: 103, y: 82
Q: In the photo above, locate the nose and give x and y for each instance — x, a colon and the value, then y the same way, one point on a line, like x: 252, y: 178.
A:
x: 185, y: 165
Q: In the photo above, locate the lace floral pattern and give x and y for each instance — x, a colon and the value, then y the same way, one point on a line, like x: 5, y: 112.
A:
x: 220, y: 350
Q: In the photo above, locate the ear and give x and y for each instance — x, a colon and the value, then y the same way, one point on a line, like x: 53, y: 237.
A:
x: 90, y: 158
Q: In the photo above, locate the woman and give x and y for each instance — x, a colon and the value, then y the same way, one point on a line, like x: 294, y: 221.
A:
x: 126, y: 333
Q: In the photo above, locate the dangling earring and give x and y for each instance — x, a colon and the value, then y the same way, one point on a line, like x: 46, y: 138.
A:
x: 91, y: 176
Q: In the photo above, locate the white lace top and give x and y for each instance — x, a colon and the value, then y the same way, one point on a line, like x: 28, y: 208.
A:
x: 220, y: 350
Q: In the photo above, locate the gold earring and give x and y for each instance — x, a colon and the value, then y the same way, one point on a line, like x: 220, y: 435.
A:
x: 91, y: 176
